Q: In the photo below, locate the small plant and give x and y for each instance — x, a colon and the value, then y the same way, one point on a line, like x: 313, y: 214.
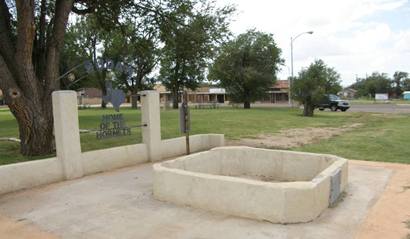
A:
x: 408, y: 226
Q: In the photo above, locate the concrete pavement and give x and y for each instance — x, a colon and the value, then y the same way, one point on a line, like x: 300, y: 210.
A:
x: 119, y: 204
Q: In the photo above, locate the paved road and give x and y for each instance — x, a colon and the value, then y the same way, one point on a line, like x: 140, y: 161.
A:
x: 371, y: 108
x: 380, y: 108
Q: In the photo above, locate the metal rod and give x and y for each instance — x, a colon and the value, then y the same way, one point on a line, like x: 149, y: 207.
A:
x: 86, y: 131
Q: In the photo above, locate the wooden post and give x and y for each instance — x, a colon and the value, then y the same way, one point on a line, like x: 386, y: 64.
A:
x: 186, y: 122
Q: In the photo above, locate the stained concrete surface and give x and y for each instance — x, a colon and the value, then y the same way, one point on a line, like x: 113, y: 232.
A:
x: 120, y: 205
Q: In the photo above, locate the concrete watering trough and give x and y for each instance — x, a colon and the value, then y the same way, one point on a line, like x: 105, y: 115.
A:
x: 276, y: 186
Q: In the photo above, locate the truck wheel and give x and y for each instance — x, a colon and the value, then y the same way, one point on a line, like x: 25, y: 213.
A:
x: 333, y: 108
x: 321, y: 109
x: 344, y: 110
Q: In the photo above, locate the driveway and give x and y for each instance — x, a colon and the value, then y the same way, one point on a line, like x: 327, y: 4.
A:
x: 119, y: 204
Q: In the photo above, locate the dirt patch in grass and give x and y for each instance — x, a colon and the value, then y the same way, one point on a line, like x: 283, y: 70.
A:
x: 291, y: 138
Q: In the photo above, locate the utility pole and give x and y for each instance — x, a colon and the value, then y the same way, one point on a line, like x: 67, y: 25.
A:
x: 293, y: 39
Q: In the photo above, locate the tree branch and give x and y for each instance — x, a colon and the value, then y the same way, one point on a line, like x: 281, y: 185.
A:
x: 54, y: 44
x: 7, y: 47
x: 24, y: 48
x: 7, y: 83
x: 40, y: 62
x: 25, y: 31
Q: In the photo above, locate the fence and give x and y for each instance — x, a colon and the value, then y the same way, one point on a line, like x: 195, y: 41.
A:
x: 71, y: 162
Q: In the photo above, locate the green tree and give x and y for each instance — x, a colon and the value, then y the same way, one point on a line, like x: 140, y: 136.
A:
x: 136, y: 50
x: 86, y: 40
x: 399, y: 78
x: 406, y: 84
x: 191, y: 42
x: 32, y: 34
x: 373, y: 84
x: 313, y: 83
x: 247, y: 66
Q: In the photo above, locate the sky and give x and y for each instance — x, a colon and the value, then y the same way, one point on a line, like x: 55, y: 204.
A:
x: 356, y: 37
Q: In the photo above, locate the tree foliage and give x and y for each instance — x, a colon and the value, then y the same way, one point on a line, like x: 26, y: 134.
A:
x: 373, y: 84
x: 190, y: 42
x: 313, y: 83
x: 126, y: 55
x: 32, y: 34
x: 247, y: 66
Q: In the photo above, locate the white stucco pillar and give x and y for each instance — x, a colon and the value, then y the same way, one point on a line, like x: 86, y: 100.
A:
x: 151, y: 133
x: 67, y: 133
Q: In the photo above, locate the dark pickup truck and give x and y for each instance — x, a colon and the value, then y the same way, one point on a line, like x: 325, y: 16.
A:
x: 334, y: 103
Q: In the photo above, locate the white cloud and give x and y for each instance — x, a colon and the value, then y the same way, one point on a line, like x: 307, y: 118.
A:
x: 344, y: 36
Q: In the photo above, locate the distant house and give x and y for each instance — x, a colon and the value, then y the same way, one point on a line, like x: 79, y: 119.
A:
x: 278, y: 93
x: 89, y: 96
x: 406, y: 95
x: 203, y: 94
x: 348, y: 93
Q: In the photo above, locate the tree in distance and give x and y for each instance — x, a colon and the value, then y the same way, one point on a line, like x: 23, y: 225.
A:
x: 313, y: 84
x: 246, y: 66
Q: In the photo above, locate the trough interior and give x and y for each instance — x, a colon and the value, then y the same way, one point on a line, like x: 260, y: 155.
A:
x: 256, y: 164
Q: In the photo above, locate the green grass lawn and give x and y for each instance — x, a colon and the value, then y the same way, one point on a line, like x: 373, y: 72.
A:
x: 381, y: 138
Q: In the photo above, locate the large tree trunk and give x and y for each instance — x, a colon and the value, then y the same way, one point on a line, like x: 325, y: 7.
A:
x: 103, y: 104
x: 247, y: 105
x: 104, y: 93
x: 27, y: 91
x: 35, y: 125
x: 175, y: 99
x: 308, y: 110
x: 134, y: 101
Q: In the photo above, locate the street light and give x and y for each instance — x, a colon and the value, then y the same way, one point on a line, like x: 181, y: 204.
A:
x: 292, y: 39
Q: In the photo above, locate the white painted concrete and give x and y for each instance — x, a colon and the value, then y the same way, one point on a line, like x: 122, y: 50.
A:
x: 151, y: 134
x: 291, y: 187
x: 176, y: 147
x: 114, y: 158
x: 30, y: 174
x: 36, y: 173
x: 67, y: 133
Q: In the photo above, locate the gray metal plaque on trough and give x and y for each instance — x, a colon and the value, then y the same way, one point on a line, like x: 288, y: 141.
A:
x: 335, y: 182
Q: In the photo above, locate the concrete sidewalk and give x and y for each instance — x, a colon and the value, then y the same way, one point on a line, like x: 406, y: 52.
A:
x: 119, y: 204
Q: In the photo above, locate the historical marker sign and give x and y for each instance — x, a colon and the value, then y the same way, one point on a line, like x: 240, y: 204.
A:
x: 113, y: 125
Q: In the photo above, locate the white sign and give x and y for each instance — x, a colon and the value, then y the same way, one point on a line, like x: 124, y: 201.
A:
x: 382, y: 97
x: 217, y: 91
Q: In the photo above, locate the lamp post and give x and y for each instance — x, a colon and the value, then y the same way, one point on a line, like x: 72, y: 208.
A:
x: 292, y: 39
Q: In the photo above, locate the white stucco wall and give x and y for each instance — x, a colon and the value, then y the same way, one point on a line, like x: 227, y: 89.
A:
x: 114, y: 158
x: 30, y: 174
x: 211, y: 181
x: 176, y: 147
x: 41, y: 172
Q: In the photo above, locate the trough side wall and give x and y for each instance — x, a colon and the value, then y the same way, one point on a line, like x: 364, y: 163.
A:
x: 198, y: 180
